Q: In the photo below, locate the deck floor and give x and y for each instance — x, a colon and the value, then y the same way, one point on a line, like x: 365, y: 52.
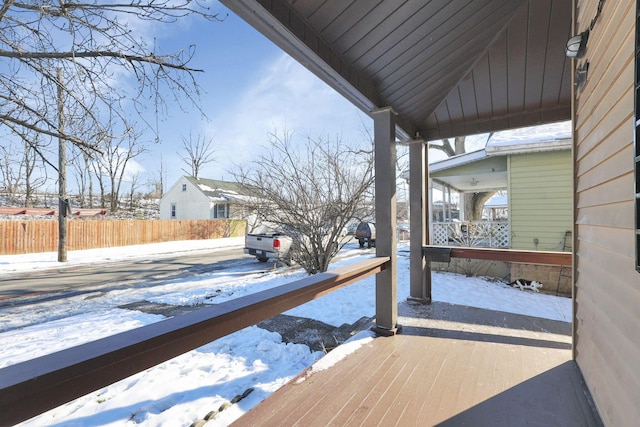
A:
x: 451, y: 365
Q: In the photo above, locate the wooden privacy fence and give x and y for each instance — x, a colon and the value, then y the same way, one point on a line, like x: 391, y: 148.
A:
x: 23, y: 237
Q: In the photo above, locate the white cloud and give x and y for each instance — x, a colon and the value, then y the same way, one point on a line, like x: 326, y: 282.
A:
x: 286, y: 97
x: 133, y: 170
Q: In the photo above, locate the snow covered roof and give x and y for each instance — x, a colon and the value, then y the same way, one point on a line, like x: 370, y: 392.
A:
x: 217, y: 190
x: 459, y: 160
x: 550, y: 137
x: 488, y: 171
x: 497, y: 201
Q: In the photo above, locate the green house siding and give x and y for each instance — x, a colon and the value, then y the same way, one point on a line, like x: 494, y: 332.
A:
x: 540, y: 200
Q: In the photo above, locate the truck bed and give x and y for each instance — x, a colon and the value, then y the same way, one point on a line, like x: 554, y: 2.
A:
x: 263, y: 245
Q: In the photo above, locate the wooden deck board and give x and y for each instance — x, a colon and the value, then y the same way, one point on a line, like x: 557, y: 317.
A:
x: 451, y: 365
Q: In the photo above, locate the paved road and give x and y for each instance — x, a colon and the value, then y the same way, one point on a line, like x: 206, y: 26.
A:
x: 125, y: 273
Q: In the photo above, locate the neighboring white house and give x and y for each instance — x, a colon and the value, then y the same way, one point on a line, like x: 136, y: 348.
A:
x: 191, y: 198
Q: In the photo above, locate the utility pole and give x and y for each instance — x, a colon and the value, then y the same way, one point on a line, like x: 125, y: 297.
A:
x: 63, y: 202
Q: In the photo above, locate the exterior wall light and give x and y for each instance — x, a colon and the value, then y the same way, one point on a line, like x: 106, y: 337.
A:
x: 577, y: 45
x: 581, y: 76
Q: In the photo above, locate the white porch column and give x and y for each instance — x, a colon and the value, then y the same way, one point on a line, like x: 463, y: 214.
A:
x: 419, y: 269
x: 386, y: 241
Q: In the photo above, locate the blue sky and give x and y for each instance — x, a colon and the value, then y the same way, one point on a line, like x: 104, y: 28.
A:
x: 250, y: 88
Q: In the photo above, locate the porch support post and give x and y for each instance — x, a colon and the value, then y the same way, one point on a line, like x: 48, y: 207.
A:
x: 386, y: 240
x: 419, y: 269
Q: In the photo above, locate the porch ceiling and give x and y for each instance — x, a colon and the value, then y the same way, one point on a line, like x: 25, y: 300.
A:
x: 471, y: 172
x: 447, y: 67
x: 473, y: 183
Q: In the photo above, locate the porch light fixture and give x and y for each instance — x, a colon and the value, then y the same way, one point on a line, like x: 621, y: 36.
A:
x: 577, y: 45
x: 581, y: 76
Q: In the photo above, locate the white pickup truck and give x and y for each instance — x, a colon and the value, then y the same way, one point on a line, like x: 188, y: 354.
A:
x: 268, y: 245
x: 271, y: 243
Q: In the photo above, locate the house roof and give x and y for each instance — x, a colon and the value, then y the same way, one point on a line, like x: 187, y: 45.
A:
x: 446, y: 67
x: 497, y: 201
x: 486, y: 169
x: 552, y: 137
x: 219, y: 190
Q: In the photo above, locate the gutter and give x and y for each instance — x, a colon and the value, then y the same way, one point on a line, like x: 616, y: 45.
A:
x: 500, y: 149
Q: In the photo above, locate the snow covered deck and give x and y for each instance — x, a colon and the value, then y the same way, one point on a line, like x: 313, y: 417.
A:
x: 451, y: 365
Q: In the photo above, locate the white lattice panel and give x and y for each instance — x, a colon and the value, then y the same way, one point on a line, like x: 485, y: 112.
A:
x: 440, y: 234
x: 480, y: 233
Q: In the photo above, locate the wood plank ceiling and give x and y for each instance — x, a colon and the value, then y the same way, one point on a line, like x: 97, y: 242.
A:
x: 447, y: 67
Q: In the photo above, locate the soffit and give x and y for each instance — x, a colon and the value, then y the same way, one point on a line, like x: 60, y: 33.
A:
x: 472, y: 172
x: 447, y: 67
x: 475, y: 183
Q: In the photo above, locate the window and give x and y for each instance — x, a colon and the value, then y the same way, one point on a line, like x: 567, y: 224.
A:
x: 173, y: 210
x: 220, y: 211
x: 184, y: 187
x: 636, y: 137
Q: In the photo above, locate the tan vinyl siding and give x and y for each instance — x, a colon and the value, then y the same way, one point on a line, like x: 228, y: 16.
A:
x: 607, y: 294
x: 540, y: 200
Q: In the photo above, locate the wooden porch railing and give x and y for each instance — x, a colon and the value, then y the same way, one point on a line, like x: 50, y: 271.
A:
x: 443, y: 254
x: 37, y: 385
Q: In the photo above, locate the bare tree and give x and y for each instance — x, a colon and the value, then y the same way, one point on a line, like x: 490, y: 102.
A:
x: 113, y: 164
x: 199, y: 152
x: 11, y: 169
x: 90, y: 43
x: 81, y: 162
x: 473, y: 202
x: 312, y: 190
x: 100, y: 178
x: 21, y: 172
x: 132, y: 190
x: 156, y: 182
x: 32, y: 179
x: 445, y: 146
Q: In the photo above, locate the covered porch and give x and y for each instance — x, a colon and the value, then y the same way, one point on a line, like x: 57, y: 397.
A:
x: 451, y: 365
x: 422, y: 72
x: 425, y: 71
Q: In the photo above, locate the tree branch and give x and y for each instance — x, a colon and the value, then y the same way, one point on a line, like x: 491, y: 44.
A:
x: 150, y: 59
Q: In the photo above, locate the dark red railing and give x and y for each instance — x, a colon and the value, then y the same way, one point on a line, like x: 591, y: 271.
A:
x: 444, y: 253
